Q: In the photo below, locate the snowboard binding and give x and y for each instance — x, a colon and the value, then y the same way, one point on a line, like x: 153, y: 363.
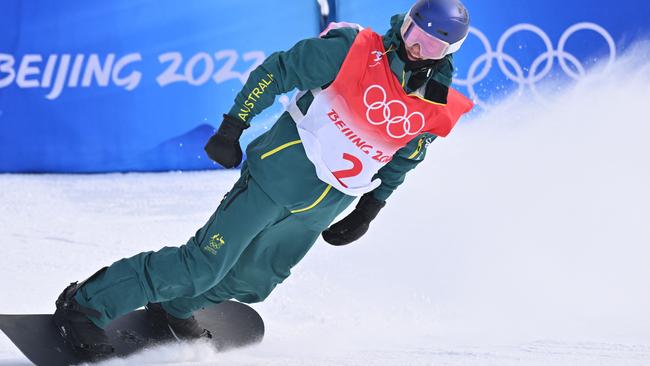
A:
x: 74, y: 325
x: 180, y: 329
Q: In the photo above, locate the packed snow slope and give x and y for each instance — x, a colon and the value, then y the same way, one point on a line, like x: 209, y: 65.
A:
x: 523, y: 239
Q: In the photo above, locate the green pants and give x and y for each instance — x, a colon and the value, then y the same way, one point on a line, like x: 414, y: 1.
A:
x: 247, y: 247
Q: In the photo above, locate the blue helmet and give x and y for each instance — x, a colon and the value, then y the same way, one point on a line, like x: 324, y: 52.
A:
x: 442, y: 20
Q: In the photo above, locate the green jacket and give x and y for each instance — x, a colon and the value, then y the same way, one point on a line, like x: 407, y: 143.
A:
x: 276, y: 159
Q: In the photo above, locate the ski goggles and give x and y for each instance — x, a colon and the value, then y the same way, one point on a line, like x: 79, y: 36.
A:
x: 431, y: 47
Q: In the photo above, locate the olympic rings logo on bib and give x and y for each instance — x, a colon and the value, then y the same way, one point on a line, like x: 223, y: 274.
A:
x: 394, y: 114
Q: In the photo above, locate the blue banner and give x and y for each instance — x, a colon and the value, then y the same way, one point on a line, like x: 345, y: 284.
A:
x: 136, y: 85
x: 130, y: 85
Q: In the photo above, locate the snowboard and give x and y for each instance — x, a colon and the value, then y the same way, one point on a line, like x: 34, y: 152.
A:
x: 231, y: 323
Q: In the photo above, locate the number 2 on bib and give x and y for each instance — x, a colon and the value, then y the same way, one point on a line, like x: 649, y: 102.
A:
x: 357, y: 167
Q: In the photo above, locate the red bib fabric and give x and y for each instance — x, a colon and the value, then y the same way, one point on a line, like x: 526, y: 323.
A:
x: 356, y: 125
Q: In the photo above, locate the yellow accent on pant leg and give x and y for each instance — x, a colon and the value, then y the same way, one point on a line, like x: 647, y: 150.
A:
x: 281, y: 147
x: 418, y: 149
x: 322, y: 196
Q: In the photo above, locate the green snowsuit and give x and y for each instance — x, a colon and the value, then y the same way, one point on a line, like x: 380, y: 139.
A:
x: 275, y: 211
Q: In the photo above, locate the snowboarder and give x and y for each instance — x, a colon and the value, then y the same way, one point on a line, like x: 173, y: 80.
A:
x: 368, y: 108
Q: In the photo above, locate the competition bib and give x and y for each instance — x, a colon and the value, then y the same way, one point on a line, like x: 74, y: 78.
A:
x: 356, y: 125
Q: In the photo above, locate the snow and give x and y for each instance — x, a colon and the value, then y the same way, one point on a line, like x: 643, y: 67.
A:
x: 523, y: 239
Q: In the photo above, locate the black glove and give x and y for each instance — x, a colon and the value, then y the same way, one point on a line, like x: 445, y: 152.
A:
x: 223, y: 147
x: 354, y: 225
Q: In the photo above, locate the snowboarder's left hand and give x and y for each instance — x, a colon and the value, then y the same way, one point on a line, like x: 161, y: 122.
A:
x: 223, y: 146
x: 354, y: 225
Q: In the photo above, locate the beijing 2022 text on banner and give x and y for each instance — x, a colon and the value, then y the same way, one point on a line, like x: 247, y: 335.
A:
x: 135, y: 85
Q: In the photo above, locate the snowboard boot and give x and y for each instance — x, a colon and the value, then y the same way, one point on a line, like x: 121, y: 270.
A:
x: 181, y: 329
x: 86, y: 339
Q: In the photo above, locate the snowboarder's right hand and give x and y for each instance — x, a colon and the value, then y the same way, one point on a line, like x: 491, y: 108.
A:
x: 223, y: 146
x: 354, y: 225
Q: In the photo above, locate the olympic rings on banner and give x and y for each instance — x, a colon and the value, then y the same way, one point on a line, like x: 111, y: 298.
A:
x: 534, y: 75
x: 405, y: 122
